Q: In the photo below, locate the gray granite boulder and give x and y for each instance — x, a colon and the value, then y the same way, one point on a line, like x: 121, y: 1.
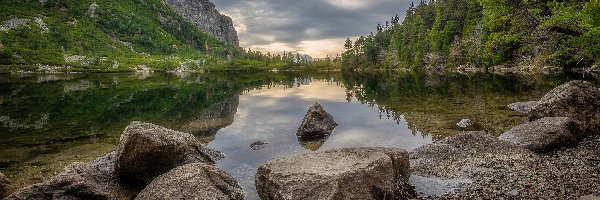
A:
x: 4, y: 181
x: 193, y: 181
x: 355, y: 173
x: 95, y: 180
x: 578, y: 100
x: 146, y: 151
x: 522, y: 107
x: 544, y: 135
x: 464, y: 123
x: 317, y: 124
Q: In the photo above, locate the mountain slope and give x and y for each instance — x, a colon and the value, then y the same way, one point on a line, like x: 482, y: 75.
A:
x: 484, y: 33
x: 103, y: 35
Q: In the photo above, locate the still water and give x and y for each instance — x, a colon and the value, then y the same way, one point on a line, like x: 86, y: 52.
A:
x: 49, y: 121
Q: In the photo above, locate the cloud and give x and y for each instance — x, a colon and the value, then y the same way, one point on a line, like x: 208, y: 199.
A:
x: 307, y: 26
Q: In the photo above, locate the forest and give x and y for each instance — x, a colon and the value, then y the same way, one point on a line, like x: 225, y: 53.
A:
x: 450, y: 34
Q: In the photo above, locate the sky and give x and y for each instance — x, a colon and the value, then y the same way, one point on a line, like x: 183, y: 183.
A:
x: 314, y: 27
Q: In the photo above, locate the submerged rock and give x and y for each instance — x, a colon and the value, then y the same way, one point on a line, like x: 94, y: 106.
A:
x: 578, y: 100
x: 456, y: 155
x: 258, y: 145
x: 356, y: 173
x: 543, y: 135
x: 317, y: 124
x: 312, y: 145
x: 95, y: 180
x: 4, y: 182
x: 193, y: 181
x: 146, y: 151
x: 522, y: 107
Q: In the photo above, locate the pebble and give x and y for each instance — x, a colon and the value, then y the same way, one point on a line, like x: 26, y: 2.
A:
x: 562, y: 174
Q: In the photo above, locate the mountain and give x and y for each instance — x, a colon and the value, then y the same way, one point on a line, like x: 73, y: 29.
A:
x: 482, y: 34
x: 203, y: 14
x: 113, y: 35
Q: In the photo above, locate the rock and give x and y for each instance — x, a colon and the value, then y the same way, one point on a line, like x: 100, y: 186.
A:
x: 204, y: 15
x: 146, y: 151
x: 193, y: 181
x: 91, y: 12
x: 355, y: 173
x: 543, y: 135
x: 95, y: 180
x: 258, y: 145
x: 589, y: 197
x: 464, y: 123
x: 317, y: 124
x: 452, y: 157
x: 13, y: 23
x: 522, y: 107
x: 40, y: 23
x: 4, y: 182
x: 578, y: 100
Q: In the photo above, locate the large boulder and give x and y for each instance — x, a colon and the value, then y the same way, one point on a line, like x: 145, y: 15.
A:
x: 317, y: 124
x: 578, y: 100
x: 355, y: 173
x: 544, y: 135
x: 94, y: 180
x: 147, y: 151
x: 4, y: 181
x: 522, y: 107
x: 193, y: 181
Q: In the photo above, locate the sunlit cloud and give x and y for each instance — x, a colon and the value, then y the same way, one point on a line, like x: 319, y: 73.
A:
x: 314, y: 27
x: 322, y: 48
x: 349, y: 4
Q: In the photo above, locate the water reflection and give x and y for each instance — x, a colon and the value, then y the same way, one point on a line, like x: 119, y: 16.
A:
x: 44, y: 117
x: 273, y: 114
x: 313, y: 144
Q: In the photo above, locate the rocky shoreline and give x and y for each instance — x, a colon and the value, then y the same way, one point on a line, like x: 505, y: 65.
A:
x: 552, y: 156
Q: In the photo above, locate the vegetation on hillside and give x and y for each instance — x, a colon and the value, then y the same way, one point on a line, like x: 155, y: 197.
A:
x: 108, y: 35
x: 483, y: 33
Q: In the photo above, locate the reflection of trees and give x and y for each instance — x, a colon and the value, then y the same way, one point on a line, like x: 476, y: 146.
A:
x: 200, y: 103
x: 434, y: 103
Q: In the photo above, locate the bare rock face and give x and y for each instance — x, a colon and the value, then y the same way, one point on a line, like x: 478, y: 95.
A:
x: 522, y: 107
x: 317, y: 124
x: 356, y: 173
x: 578, y: 100
x: 94, y: 180
x: 193, y: 181
x: 146, y: 151
x: 543, y: 135
x: 4, y: 181
x: 204, y: 15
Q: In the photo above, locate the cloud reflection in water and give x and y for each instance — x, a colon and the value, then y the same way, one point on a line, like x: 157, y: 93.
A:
x: 272, y: 115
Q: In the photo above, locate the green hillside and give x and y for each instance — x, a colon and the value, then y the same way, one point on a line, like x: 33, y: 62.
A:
x: 484, y: 33
x: 102, y: 36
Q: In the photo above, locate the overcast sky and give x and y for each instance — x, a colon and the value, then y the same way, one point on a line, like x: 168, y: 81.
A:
x: 314, y: 27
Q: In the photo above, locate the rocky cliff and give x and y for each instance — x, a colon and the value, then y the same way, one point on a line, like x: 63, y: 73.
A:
x: 204, y: 15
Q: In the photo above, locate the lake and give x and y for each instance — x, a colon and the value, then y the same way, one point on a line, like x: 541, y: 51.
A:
x: 48, y: 121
